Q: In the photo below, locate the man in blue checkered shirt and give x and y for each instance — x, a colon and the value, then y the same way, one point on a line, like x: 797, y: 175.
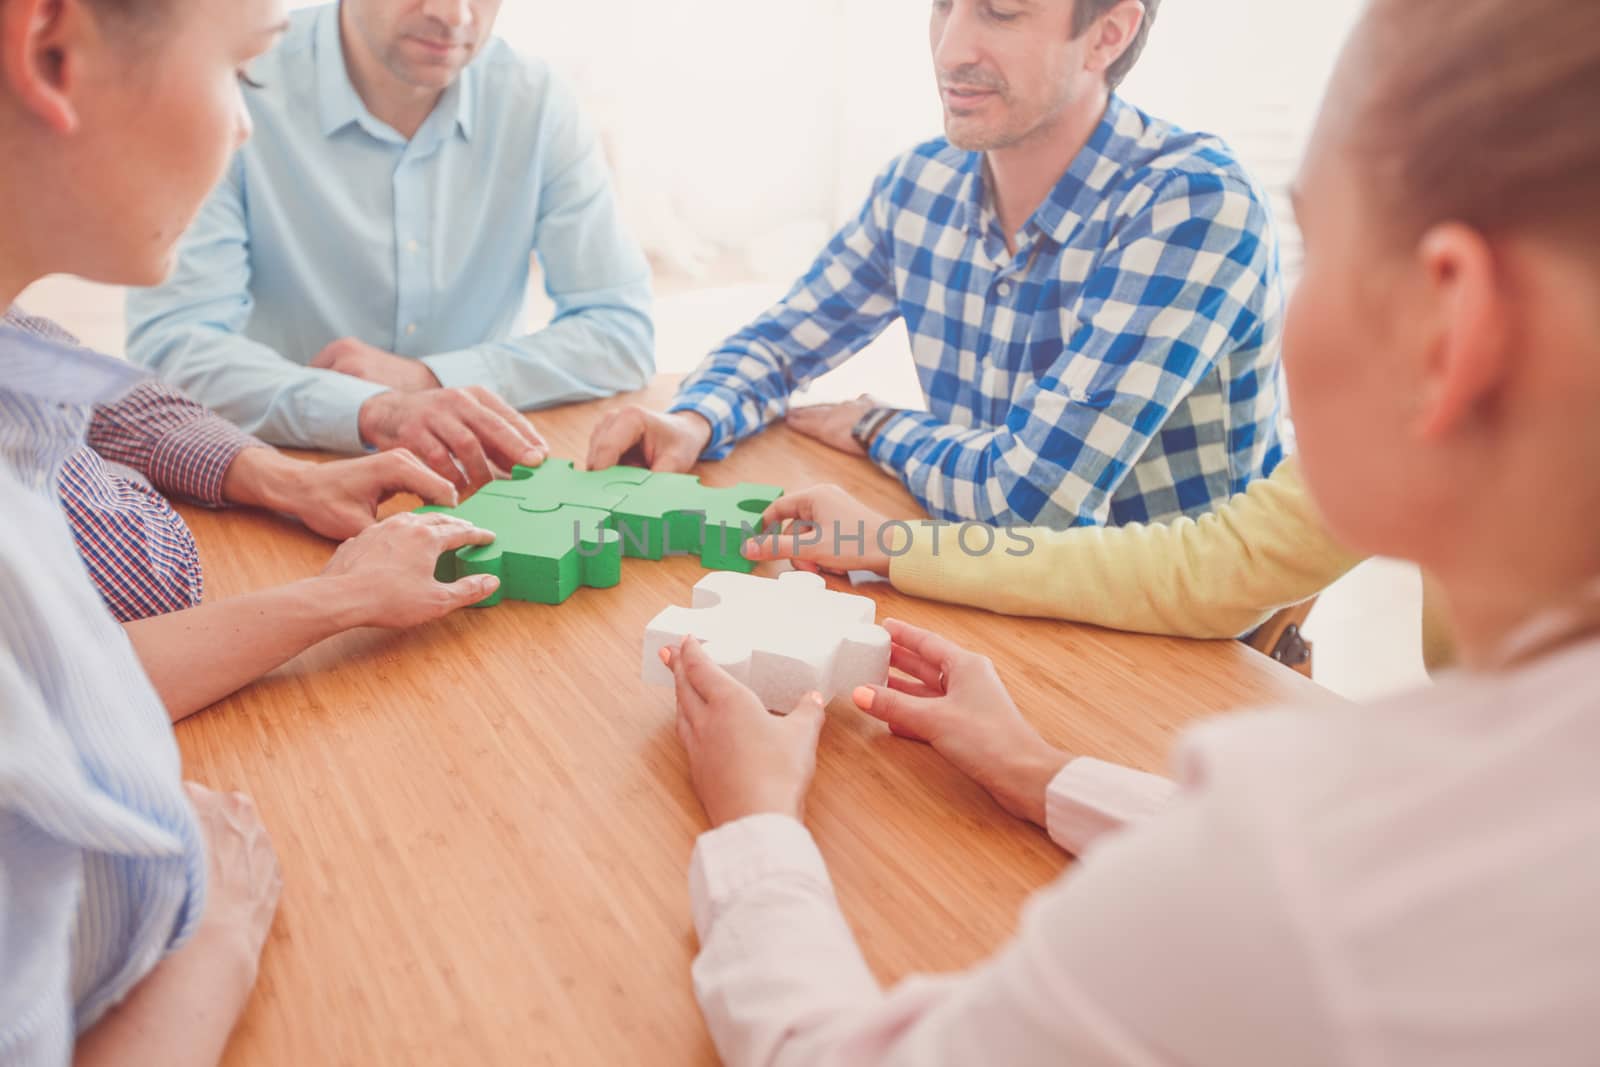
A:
x: 1093, y: 297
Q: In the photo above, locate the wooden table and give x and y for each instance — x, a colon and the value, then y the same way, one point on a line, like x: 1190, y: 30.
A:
x: 485, y: 823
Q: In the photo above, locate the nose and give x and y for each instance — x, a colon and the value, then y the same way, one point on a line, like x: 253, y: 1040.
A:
x: 452, y: 13
x: 957, y: 41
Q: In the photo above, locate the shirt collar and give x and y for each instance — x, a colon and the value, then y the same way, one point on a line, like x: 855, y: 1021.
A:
x: 339, y: 105
x: 466, y: 98
x: 43, y: 369
x: 48, y: 393
x: 1078, y: 193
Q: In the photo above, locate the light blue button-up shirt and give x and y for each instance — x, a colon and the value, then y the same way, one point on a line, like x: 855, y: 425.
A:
x: 329, y: 224
x: 102, y: 868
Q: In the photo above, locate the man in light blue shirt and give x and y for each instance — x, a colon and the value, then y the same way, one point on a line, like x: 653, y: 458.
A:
x: 358, y: 278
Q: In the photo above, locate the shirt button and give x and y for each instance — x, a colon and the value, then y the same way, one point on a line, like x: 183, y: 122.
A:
x: 1004, y: 289
x: 411, y: 329
x: 412, y: 246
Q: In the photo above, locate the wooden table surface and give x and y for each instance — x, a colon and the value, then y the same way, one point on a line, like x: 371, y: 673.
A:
x: 485, y: 823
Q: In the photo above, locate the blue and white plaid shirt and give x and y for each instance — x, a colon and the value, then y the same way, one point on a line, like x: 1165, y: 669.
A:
x: 1121, y: 367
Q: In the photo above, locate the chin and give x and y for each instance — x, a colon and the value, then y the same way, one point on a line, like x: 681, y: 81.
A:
x: 433, y: 77
x: 132, y: 274
x: 963, y: 136
x: 151, y: 271
x: 972, y: 136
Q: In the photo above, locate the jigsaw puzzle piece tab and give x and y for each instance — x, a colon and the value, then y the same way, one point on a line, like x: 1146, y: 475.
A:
x: 556, y: 482
x: 542, y: 557
x: 673, y: 514
x: 782, y: 637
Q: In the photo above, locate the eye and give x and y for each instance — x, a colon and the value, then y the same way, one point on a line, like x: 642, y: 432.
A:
x: 247, y: 81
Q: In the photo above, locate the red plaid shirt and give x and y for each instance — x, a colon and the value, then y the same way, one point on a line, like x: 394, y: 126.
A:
x: 155, y: 440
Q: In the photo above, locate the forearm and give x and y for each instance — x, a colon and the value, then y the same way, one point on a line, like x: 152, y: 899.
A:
x: 197, y: 657
x: 1216, y: 578
x: 254, y: 387
x: 774, y: 948
x: 845, y: 300
x: 739, y: 390
x: 181, y: 1015
x: 596, y: 352
x: 264, y: 478
x: 976, y: 474
x: 178, y: 444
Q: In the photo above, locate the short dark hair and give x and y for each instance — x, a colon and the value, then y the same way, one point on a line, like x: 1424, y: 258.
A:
x: 1084, y: 14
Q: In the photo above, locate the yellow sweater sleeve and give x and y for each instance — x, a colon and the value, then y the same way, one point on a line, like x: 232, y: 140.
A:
x: 1221, y: 576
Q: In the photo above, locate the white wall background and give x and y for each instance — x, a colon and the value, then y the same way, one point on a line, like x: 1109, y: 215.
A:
x: 750, y: 128
x: 742, y: 132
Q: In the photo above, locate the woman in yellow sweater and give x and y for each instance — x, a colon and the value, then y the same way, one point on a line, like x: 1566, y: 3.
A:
x: 1218, y: 577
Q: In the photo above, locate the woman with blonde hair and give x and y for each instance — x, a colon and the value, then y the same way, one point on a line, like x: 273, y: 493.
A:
x: 1411, y: 883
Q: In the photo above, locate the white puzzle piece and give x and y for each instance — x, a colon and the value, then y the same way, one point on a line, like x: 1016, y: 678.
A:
x: 782, y: 637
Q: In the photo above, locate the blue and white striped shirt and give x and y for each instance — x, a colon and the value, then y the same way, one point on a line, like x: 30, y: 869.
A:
x: 1121, y: 366
x: 102, y: 866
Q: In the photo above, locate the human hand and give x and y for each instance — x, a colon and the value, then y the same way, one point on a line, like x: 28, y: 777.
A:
x: 337, y: 499
x: 340, y: 498
x: 956, y: 702
x: 665, y: 442
x: 743, y: 759
x: 244, y: 879
x: 463, y: 435
x: 832, y: 424
x: 386, y: 577
x: 813, y: 527
x: 372, y: 364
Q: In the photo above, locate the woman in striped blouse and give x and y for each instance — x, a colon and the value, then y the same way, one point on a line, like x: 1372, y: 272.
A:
x: 133, y: 909
x: 142, y: 558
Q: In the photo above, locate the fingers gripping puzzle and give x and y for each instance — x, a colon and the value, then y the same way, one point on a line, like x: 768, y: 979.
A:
x: 782, y: 637
x: 558, y: 529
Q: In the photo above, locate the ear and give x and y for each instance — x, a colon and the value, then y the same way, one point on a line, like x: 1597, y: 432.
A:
x: 39, y: 57
x: 1112, y: 35
x: 1470, y: 353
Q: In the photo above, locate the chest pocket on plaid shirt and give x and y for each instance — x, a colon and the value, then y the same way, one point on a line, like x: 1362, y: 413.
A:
x: 1078, y: 377
x: 1021, y: 364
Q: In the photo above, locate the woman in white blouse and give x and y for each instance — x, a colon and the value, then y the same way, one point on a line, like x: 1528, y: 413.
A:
x: 1412, y: 883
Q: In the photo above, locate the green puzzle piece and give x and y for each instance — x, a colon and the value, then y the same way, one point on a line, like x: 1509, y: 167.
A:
x: 673, y: 514
x: 554, y: 483
x: 539, y: 556
x: 558, y: 528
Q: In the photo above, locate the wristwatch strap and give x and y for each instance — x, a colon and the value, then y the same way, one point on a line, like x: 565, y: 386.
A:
x: 868, y: 426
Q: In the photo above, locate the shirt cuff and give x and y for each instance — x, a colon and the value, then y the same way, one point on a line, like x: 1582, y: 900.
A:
x: 459, y: 369
x: 897, y: 437
x: 715, y: 409
x: 1091, y: 798
x: 729, y: 860
x: 914, y: 566
x: 331, y: 413
x: 193, y: 460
